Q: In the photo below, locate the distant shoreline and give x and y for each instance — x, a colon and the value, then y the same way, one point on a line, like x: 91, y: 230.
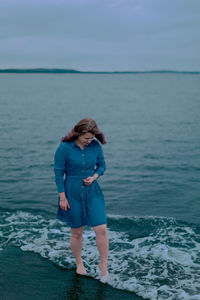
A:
x: 72, y: 71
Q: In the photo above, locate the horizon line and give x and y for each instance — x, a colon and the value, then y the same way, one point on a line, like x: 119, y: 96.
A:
x: 65, y: 71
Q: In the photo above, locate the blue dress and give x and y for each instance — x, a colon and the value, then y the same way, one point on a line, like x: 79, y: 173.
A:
x: 71, y: 165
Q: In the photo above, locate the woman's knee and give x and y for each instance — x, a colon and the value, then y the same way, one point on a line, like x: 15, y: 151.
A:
x: 76, y: 233
x: 100, y: 230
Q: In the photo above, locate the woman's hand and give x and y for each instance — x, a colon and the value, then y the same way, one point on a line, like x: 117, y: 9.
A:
x: 64, y: 204
x: 89, y: 180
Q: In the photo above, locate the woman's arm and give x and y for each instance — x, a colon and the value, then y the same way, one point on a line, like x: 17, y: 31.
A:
x: 95, y: 176
x: 100, y: 165
x: 59, y: 168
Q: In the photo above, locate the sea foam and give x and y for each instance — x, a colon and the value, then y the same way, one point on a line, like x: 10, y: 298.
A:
x: 155, y: 257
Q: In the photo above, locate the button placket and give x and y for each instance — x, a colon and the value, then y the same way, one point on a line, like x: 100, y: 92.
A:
x: 83, y: 164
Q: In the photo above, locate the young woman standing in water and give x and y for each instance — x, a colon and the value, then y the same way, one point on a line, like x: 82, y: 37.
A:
x: 81, y: 202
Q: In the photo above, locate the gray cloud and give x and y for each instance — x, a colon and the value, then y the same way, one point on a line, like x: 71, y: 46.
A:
x: 102, y: 35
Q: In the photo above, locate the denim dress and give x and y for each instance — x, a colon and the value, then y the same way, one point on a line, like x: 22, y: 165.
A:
x: 71, y: 165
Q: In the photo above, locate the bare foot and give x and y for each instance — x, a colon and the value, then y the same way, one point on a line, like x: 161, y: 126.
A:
x: 103, y: 268
x: 80, y: 269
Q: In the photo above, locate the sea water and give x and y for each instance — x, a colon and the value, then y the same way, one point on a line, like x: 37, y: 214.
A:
x: 151, y: 185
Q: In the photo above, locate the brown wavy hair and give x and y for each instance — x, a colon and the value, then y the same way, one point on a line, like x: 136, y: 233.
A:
x: 84, y: 126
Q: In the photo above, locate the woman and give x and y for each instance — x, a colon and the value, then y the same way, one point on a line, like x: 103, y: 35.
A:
x: 81, y: 201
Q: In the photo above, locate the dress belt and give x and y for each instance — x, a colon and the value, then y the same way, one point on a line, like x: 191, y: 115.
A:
x: 77, y: 177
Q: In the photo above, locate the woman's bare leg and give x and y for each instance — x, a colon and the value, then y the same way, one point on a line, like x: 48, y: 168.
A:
x: 76, y: 246
x: 103, y: 247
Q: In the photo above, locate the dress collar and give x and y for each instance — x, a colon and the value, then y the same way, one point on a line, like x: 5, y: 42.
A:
x: 74, y: 144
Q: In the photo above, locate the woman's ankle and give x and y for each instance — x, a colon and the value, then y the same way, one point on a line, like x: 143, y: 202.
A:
x: 103, y: 266
x: 80, y: 269
x: 103, y: 263
x: 79, y: 262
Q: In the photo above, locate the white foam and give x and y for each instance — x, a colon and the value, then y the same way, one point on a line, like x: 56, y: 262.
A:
x: 161, y: 265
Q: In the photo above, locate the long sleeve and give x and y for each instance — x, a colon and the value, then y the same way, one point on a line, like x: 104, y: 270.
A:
x: 100, y: 165
x: 59, y: 167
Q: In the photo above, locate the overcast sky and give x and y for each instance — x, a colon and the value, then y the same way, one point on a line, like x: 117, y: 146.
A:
x: 100, y: 34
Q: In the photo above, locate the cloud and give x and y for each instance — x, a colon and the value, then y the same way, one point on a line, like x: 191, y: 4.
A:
x: 121, y: 33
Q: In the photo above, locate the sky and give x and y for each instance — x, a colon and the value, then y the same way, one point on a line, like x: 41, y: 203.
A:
x: 100, y: 35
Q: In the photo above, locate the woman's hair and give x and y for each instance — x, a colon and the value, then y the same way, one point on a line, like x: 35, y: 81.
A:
x: 84, y: 126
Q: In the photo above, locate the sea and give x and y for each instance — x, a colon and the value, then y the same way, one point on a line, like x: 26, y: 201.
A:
x: 151, y: 186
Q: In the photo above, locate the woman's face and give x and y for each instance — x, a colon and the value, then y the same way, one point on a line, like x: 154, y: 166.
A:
x: 86, y: 138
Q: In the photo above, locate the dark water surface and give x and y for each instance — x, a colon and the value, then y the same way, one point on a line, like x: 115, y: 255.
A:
x: 151, y: 185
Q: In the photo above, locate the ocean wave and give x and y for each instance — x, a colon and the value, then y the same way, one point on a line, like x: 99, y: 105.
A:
x: 155, y: 257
